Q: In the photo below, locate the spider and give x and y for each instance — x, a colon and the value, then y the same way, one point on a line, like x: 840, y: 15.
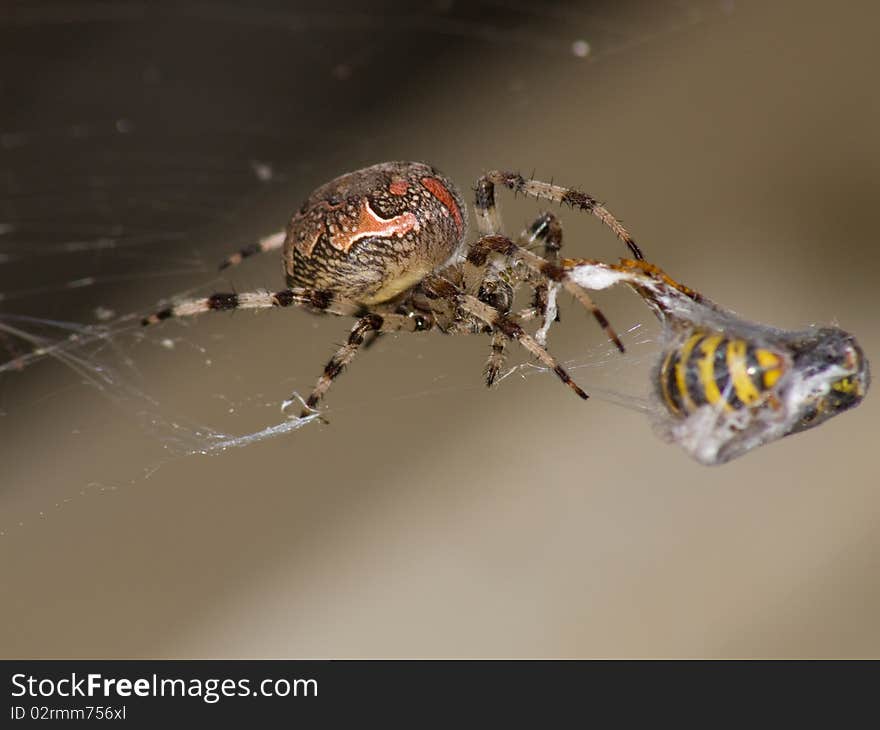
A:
x: 388, y: 245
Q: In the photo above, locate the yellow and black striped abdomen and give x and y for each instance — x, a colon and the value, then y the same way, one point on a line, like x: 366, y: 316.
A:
x: 713, y: 368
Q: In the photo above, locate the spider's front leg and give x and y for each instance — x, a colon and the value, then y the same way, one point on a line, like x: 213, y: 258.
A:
x: 487, y: 213
x: 443, y: 294
x: 496, y: 358
x: 481, y: 249
x: 547, y: 230
x: 489, y: 223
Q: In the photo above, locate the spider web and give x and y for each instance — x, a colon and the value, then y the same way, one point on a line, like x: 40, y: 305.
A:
x: 126, y: 175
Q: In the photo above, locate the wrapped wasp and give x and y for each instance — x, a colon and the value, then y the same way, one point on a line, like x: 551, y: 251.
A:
x: 724, y: 385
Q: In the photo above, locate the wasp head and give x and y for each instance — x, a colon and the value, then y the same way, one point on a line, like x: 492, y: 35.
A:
x: 834, y: 376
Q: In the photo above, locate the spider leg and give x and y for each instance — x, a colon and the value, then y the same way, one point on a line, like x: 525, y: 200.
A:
x: 481, y: 248
x: 512, y: 330
x: 595, y: 275
x: 268, y: 243
x: 372, y: 322
x: 496, y: 358
x: 487, y: 212
x: 545, y: 228
x: 439, y: 290
x: 659, y: 290
x: 313, y: 299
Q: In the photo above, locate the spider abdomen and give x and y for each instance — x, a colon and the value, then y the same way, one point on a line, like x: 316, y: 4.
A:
x: 715, y: 369
x: 371, y: 234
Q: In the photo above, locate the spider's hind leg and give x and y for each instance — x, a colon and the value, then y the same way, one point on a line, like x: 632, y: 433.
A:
x: 268, y: 243
x: 315, y: 300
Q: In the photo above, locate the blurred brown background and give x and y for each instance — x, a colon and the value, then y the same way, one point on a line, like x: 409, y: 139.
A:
x: 431, y: 518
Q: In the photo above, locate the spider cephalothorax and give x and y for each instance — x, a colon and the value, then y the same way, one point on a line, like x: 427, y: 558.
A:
x: 388, y: 245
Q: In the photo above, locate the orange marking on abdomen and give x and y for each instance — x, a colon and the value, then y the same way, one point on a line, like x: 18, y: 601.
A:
x: 369, y: 224
x: 398, y: 187
x: 439, y: 191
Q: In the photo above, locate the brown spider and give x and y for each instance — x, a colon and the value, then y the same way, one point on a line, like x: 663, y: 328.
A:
x: 388, y: 245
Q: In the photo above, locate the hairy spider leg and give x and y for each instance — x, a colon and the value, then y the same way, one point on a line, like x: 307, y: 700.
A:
x: 317, y: 301
x: 313, y: 299
x: 272, y: 242
x: 485, y: 202
x: 489, y: 223
x: 438, y: 288
x: 378, y: 323
x: 642, y: 276
x: 481, y: 248
x: 546, y: 229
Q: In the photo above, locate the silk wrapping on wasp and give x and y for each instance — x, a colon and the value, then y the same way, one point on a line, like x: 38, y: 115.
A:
x: 723, y: 385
